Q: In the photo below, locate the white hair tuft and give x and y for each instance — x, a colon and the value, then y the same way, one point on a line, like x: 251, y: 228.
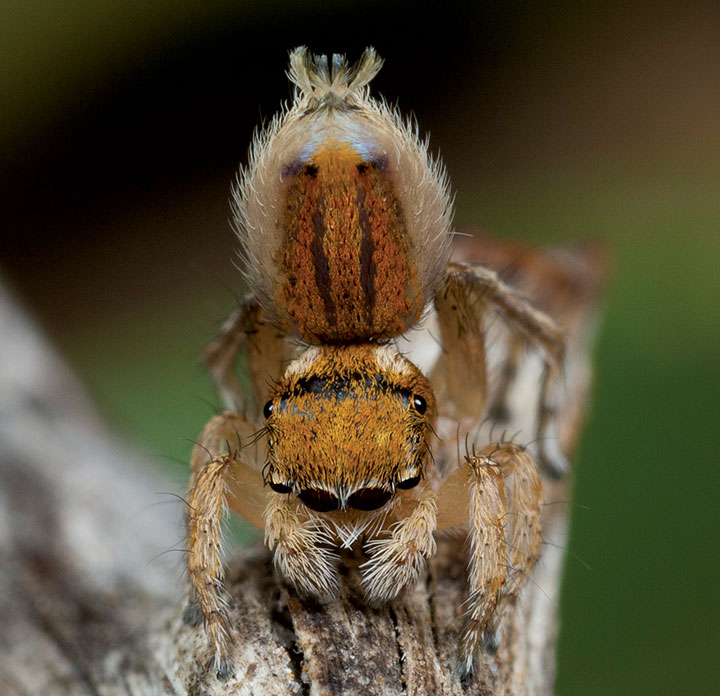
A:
x: 317, y: 80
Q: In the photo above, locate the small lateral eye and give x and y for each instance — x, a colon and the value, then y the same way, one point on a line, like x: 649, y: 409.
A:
x: 280, y: 487
x: 408, y: 483
x: 268, y: 409
x: 419, y: 403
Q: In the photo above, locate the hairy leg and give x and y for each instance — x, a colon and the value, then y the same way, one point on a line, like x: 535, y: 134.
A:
x: 498, y: 409
x: 303, y: 552
x: 472, y: 289
x: 523, y: 493
x: 246, y: 329
x: 499, y: 491
x: 397, y: 561
x: 460, y: 374
x: 219, y: 464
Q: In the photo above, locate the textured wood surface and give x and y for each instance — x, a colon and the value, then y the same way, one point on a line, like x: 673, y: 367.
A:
x: 88, y: 607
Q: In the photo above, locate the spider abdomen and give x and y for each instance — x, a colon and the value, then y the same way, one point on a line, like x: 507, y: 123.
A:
x: 347, y: 264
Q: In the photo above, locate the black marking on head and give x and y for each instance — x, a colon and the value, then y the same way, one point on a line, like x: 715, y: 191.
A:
x: 355, y: 382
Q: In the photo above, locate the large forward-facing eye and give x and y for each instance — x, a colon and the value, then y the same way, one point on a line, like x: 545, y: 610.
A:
x: 319, y: 500
x: 369, y: 498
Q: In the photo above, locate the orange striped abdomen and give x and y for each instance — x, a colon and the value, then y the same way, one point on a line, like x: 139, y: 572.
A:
x: 348, y: 268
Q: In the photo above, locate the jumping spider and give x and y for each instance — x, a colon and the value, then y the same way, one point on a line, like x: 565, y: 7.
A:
x: 345, y: 225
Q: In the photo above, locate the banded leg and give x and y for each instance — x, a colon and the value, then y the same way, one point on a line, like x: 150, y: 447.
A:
x: 246, y: 329
x: 396, y: 562
x: 472, y: 289
x: 220, y: 466
x: 499, y: 489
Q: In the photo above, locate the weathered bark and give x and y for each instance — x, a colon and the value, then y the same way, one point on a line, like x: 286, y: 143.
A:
x: 86, y: 608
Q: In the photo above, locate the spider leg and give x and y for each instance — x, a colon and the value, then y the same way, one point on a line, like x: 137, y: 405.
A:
x: 499, y: 490
x: 459, y: 375
x: 219, y: 477
x: 498, y: 409
x: 303, y: 550
x: 469, y: 291
x: 523, y: 493
x: 397, y: 561
x: 246, y: 329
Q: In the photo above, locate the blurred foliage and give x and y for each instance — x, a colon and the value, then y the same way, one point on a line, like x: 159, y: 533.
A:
x: 556, y: 123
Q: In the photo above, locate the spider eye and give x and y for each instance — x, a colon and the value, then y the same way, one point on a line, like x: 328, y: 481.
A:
x: 369, y: 498
x: 268, y: 409
x: 419, y: 403
x: 408, y: 483
x: 280, y: 487
x: 319, y: 500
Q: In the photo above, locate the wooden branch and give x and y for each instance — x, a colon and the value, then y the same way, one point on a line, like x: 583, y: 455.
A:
x: 87, y: 610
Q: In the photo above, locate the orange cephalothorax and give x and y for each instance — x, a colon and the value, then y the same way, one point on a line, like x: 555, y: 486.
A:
x: 346, y: 426
x: 349, y: 270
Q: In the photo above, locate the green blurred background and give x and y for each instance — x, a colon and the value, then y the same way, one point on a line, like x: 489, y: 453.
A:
x: 121, y: 127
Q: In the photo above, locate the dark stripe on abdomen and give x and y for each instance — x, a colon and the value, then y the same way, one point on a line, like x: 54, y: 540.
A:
x: 367, y: 249
x: 322, y: 268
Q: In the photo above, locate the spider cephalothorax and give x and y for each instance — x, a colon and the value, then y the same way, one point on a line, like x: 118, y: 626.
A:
x: 345, y: 225
x: 348, y: 426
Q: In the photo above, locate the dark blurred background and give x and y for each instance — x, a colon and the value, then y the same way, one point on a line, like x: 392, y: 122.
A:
x: 121, y: 128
